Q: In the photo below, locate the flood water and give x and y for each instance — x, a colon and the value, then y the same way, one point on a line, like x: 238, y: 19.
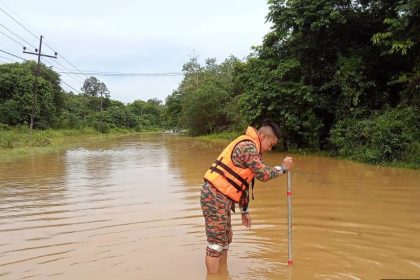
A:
x: 129, y: 209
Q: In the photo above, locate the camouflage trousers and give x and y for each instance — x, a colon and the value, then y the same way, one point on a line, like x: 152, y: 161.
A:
x: 216, y: 211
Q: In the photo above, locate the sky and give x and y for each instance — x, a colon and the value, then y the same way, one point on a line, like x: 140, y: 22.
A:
x: 131, y: 37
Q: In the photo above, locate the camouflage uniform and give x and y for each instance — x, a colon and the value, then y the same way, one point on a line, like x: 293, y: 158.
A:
x: 217, y: 207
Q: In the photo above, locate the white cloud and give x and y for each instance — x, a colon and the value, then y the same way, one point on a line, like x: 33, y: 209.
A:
x: 139, y: 36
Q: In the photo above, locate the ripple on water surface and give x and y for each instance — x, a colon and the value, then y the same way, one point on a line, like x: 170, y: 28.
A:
x: 129, y: 209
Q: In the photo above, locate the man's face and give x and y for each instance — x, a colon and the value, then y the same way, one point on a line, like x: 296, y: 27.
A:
x: 268, y: 141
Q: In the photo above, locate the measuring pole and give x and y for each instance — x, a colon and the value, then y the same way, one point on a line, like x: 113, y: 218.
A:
x: 289, y: 217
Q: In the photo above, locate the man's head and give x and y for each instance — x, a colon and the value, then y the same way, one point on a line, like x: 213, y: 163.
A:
x: 269, y: 134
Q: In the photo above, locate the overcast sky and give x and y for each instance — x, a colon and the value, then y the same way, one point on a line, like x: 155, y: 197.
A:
x: 132, y: 36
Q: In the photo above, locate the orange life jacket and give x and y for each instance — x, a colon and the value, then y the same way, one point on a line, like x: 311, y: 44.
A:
x: 228, y: 178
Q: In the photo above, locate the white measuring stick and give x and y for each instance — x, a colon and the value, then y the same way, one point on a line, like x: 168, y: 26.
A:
x: 289, y: 217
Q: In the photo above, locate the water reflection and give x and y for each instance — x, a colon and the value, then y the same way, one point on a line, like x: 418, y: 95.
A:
x: 129, y: 209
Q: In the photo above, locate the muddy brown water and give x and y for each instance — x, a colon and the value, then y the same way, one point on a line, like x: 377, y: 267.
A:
x: 129, y: 209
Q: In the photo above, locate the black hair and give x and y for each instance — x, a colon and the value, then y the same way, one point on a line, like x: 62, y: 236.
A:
x: 275, y: 127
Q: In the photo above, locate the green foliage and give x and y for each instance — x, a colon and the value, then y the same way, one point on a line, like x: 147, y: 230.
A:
x: 386, y: 137
x: 201, y: 102
x: 16, y: 138
x: 225, y: 135
x: 401, y: 28
x: 146, y: 115
x: 104, y: 127
x: 58, y: 109
x: 173, y: 109
x: 16, y: 94
x: 338, y: 76
x: 121, y: 117
x: 9, y: 112
x: 278, y: 94
x: 93, y: 87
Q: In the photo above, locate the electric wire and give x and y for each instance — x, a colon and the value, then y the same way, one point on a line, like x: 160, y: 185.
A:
x: 13, y: 55
x: 17, y: 35
x: 61, y: 56
x: 70, y: 86
x: 27, y: 29
x: 9, y: 59
x: 79, y: 72
x: 24, y: 27
x: 66, y: 60
x: 61, y: 69
x: 17, y: 21
x: 11, y: 38
x: 69, y: 73
x: 61, y: 79
x: 116, y: 74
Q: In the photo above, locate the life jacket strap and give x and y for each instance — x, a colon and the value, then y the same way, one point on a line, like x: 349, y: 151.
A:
x: 245, y: 195
x: 233, y: 173
x: 220, y: 172
x: 252, y: 187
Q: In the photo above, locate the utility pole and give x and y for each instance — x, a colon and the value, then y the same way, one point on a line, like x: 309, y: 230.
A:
x: 35, y: 85
x: 196, y: 70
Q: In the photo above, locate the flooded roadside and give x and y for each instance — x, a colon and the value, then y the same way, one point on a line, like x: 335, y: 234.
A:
x: 129, y: 208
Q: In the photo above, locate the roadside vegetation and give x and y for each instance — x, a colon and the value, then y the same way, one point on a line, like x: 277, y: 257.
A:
x: 340, y: 77
x: 17, y: 142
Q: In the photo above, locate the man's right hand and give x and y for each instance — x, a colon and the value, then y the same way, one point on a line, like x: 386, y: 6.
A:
x: 288, y: 163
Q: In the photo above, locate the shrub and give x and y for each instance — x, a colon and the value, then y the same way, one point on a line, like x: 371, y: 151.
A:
x: 383, y: 138
x: 104, y: 127
x: 4, y: 126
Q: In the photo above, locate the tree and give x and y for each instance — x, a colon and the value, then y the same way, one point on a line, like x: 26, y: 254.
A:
x: 148, y: 113
x: 201, y: 102
x: 16, y: 85
x: 172, y: 110
x: 399, y: 38
x: 93, y: 87
x: 318, y: 65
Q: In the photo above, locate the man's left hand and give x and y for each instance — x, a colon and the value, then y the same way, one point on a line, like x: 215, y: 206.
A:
x: 246, y: 220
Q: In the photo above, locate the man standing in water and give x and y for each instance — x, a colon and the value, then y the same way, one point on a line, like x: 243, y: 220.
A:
x: 227, y: 182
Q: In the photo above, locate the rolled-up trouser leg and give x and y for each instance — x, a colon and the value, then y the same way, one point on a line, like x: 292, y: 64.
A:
x: 216, y: 211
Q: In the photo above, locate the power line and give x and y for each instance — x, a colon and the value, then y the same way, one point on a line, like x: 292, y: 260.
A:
x: 65, y: 68
x: 57, y: 70
x: 39, y: 54
x: 24, y: 27
x: 68, y: 62
x: 70, y: 86
x: 61, y: 56
x: 110, y: 74
x: 51, y: 48
x: 11, y: 38
x: 17, y: 35
x: 13, y: 55
x: 8, y: 59
x: 18, y: 22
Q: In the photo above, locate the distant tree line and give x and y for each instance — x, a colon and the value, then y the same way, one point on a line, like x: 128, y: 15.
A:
x: 339, y: 76
x: 56, y: 108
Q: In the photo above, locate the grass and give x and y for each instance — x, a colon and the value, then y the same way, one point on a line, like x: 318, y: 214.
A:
x: 17, y: 143
x: 225, y: 135
x: 230, y: 135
